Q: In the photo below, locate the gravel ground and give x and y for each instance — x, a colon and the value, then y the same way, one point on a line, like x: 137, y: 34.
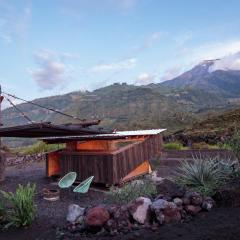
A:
x: 220, y: 224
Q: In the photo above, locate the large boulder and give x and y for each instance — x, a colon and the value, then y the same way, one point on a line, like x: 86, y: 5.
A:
x: 75, y: 214
x: 169, y: 188
x: 97, y: 217
x: 140, y: 210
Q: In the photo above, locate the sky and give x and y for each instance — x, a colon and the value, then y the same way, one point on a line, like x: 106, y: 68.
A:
x: 58, y: 46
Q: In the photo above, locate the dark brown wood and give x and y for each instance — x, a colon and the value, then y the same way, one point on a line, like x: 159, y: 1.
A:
x: 41, y: 130
x: 110, y: 167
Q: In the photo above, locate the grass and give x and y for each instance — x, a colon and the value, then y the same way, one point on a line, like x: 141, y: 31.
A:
x: 131, y: 191
x: 38, y: 147
x: 173, y: 146
x: 23, y: 209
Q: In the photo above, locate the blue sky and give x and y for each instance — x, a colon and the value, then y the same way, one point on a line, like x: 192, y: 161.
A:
x: 58, y: 46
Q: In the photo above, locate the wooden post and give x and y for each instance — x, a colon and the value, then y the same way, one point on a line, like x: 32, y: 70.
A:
x: 2, y: 154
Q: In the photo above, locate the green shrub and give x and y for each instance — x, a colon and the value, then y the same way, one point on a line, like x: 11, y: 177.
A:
x: 131, y: 191
x: 23, y: 209
x: 205, y: 175
x: 234, y: 144
x: 173, y: 146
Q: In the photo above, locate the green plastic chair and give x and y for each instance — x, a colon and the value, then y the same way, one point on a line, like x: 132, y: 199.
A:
x: 84, y: 186
x: 68, y: 180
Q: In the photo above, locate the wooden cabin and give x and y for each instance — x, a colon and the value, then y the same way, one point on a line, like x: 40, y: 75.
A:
x: 111, y: 158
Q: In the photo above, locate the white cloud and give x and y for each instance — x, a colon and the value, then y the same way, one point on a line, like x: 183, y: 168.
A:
x: 209, y: 51
x: 144, y: 79
x: 229, y: 62
x: 52, y: 71
x: 116, y: 66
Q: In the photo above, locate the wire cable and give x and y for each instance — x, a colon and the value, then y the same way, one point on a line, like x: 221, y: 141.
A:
x: 47, y: 108
x: 19, y: 110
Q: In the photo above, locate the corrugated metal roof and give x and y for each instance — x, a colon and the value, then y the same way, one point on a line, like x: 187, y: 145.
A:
x: 116, y: 135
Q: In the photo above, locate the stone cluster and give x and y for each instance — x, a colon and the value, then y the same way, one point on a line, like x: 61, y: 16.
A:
x: 16, y: 160
x: 173, y: 204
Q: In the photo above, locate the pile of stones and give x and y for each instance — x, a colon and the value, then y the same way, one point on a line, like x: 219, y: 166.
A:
x: 173, y: 204
x: 17, y: 160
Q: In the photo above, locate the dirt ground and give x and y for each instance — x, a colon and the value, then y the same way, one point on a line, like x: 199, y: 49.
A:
x: 221, y: 223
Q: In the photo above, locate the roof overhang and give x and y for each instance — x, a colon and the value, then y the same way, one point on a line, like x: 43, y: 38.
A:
x: 102, y: 136
x: 41, y: 130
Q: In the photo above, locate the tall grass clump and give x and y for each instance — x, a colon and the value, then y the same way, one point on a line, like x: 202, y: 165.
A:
x: 173, y: 146
x: 205, y: 174
x: 131, y: 191
x: 22, y: 209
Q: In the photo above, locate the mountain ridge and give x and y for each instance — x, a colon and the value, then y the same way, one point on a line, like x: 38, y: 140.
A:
x: 173, y: 104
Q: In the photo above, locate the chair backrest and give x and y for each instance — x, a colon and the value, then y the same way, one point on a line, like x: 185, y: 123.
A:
x: 84, y: 186
x: 67, y: 180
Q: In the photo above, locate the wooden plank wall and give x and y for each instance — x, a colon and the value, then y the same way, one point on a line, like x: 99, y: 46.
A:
x: 86, y: 165
x: 110, y: 168
x: 126, y: 160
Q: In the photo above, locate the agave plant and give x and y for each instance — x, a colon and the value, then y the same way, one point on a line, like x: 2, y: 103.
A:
x: 205, y: 174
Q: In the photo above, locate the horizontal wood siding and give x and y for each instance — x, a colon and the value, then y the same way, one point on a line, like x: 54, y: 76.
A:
x: 111, y: 167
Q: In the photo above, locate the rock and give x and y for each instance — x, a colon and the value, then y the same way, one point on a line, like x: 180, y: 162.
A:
x: 161, y: 196
x: 171, y: 213
x: 75, y: 214
x: 170, y: 188
x: 140, y: 210
x: 186, y: 200
x: 196, y: 199
x: 154, y: 177
x: 97, y: 217
x: 166, y: 211
x: 178, y: 201
x: 193, y: 210
x: 159, y: 204
x: 208, y: 204
x: 192, y: 198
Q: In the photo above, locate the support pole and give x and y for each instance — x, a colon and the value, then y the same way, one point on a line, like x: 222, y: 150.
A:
x: 2, y: 153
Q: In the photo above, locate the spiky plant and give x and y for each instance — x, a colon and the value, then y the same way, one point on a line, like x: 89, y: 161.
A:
x: 205, y: 174
x: 23, y: 208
